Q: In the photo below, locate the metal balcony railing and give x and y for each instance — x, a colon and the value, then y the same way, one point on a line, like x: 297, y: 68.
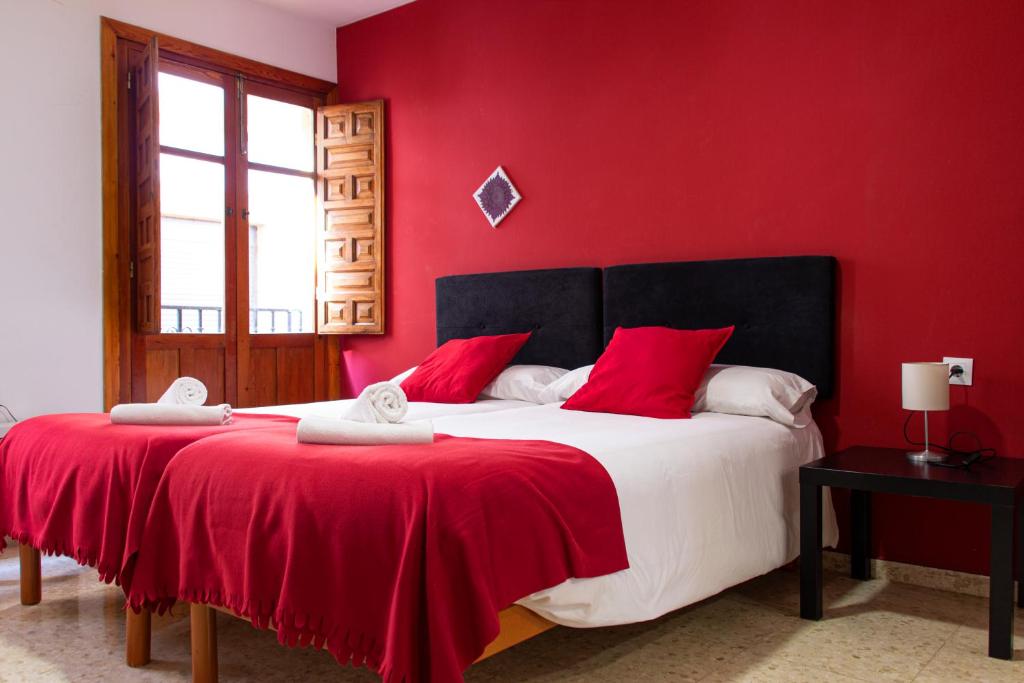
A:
x: 210, y: 320
x: 193, y: 319
x: 263, y: 320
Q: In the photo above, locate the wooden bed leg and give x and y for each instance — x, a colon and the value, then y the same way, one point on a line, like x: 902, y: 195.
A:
x: 204, y: 644
x: 138, y: 631
x: 31, y: 575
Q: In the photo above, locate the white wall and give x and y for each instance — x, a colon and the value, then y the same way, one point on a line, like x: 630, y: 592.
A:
x: 50, y: 203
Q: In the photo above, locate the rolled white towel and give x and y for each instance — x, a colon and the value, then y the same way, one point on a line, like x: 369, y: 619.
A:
x: 170, y: 414
x: 324, y: 430
x: 381, y: 402
x: 184, y: 391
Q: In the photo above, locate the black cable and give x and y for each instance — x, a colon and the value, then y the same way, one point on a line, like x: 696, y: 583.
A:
x: 7, y: 410
x: 967, y: 458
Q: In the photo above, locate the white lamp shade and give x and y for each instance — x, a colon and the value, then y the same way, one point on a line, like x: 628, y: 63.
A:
x: 926, y: 386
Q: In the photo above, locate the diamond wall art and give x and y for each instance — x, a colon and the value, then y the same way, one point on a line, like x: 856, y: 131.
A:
x: 496, y: 197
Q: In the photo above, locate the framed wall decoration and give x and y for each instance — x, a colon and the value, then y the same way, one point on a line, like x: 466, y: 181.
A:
x: 496, y: 197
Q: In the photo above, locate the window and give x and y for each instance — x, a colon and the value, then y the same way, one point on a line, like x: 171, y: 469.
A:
x: 282, y: 271
x: 191, y: 205
x: 257, y: 209
x: 191, y: 245
x: 282, y: 215
x: 234, y: 139
x: 280, y: 134
x: 191, y: 115
x: 275, y: 146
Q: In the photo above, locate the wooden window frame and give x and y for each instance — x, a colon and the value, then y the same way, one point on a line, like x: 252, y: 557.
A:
x: 117, y: 292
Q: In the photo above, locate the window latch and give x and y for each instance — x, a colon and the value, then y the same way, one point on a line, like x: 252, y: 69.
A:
x: 243, y: 144
x: 229, y: 212
x: 245, y: 214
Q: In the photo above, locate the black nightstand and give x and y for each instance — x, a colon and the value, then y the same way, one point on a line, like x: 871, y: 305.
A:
x: 998, y: 483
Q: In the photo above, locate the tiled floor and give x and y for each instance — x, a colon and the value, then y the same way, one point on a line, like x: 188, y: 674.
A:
x: 873, y: 631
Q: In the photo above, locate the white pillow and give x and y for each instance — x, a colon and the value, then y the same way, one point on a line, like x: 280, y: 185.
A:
x: 522, y: 382
x: 804, y: 417
x: 400, y: 377
x: 566, y: 385
x: 760, y: 392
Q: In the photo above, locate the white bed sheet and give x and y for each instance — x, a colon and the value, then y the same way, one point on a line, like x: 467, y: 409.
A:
x: 417, y: 410
x: 706, y: 503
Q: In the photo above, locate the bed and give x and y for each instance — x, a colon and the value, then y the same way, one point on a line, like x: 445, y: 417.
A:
x: 129, y: 473
x: 702, y: 480
x: 705, y: 503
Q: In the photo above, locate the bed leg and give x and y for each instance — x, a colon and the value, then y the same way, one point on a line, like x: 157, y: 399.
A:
x: 138, y: 632
x: 31, y: 575
x: 204, y: 644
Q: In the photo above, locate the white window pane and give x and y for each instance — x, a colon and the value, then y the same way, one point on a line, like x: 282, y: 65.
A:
x: 280, y: 134
x: 282, y: 251
x: 191, y: 245
x: 191, y: 115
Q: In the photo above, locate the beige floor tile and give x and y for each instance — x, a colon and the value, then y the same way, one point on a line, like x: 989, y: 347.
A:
x: 774, y: 670
x: 668, y: 649
x: 871, y: 645
x: 964, y: 656
x: 872, y: 631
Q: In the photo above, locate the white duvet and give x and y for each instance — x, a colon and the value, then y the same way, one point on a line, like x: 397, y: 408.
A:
x: 706, y: 503
x: 418, y: 410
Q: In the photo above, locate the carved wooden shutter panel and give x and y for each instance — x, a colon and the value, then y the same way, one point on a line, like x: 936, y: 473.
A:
x: 350, y: 244
x: 147, y: 191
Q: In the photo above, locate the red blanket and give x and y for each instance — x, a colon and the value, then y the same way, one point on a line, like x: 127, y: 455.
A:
x: 80, y: 486
x: 398, y: 557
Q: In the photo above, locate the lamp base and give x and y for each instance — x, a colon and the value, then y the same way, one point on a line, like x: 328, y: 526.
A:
x: 926, y: 456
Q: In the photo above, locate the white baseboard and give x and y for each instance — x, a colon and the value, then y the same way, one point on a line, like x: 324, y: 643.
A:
x: 917, y: 575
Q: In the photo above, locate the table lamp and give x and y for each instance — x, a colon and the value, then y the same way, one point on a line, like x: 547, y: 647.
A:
x: 926, y: 387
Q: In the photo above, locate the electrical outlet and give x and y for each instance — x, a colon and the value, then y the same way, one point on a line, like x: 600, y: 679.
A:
x: 967, y: 378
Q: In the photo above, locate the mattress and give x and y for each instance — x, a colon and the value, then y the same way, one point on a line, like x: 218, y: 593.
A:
x: 706, y: 503
x: 418, y: 410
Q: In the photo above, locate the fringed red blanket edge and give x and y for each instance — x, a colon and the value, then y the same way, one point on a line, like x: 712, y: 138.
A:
x: 85, y: 558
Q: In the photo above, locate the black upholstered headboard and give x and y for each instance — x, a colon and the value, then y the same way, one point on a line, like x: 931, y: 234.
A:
x: 562, y: 307
x: 783, y: 308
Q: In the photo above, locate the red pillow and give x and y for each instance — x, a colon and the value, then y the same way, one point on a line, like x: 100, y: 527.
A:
x: 649, y: 371
x: 460, y: 368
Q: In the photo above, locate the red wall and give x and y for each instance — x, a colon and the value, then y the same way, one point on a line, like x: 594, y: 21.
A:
x: 890, y: 135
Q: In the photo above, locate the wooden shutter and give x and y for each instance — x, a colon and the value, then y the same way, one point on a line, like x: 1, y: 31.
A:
x: 350, y: 244
x: 147, y: 190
